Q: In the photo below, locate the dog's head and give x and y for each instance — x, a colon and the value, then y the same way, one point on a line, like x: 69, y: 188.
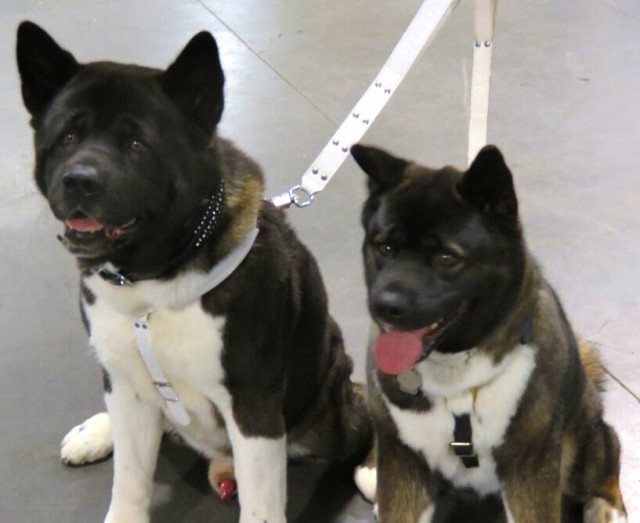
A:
x: 444, y: 255
x: 122, y: 152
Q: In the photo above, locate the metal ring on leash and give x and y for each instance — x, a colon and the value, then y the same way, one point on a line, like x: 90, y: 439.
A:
x: 300, y: 197
x: 419, y: 34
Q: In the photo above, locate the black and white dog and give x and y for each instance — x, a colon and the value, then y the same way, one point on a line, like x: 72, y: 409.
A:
x: 207, y: 314
x: 477, y: 385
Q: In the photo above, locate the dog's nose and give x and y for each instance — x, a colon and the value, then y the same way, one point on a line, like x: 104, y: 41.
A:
x: 391, y: 306
x: 81, y: 179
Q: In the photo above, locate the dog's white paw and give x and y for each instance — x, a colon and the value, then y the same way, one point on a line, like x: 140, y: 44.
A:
x: 599, y: 510
x: 427, y: 515
x: 88, y: 442
x: 366, y: 479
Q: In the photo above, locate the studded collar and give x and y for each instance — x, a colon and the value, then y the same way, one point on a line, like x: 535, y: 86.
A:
x: 203, y: 230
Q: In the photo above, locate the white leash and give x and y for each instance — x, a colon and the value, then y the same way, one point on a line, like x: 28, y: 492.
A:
x: 418, y: 35
x: 484, y: 26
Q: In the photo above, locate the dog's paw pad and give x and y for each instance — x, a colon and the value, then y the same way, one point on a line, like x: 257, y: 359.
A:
x: 88, y: 442
x: 599, y: 510
x: 366, y: 479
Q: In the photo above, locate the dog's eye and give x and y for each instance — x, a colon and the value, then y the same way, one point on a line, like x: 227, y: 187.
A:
x: 69, y: 139
x: 385, y: 249
x: 446, y: 259
x: 137, y: 146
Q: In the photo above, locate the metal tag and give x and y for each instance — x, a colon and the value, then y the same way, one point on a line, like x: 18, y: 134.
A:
x: 410, y: 382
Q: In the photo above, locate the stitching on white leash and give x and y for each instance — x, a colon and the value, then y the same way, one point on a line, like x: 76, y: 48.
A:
x: 418, y: 35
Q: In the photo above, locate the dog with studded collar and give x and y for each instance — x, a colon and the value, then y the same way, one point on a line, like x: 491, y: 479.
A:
x: 207, y: 314
x: 477, y: 386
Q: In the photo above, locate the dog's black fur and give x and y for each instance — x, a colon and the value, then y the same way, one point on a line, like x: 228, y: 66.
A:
x: 133, y: 151
x: 445, y: 244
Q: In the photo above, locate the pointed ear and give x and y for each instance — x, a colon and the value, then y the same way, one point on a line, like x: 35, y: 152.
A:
x: 43, y: 65
x: 384, y: 170
x: 195, y: 82
x: 488, y: 184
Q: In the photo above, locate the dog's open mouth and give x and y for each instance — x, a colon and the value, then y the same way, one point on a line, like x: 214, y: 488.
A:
x: 397, y: 351
x: 82, y: 226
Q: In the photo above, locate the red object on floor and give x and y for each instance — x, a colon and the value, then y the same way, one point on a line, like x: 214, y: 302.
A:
x: 228, y: 489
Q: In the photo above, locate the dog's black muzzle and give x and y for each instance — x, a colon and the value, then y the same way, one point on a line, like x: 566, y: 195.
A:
x: 81, y: 184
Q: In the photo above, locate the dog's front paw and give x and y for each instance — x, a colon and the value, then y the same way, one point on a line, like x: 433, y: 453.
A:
x: 366, y: 479
x: 88, y: 442
x: 598, y: 510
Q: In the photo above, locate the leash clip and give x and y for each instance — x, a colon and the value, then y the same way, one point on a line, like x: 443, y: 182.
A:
x: 301, y: 197
x: 297, y: 195
x: 282, y: 201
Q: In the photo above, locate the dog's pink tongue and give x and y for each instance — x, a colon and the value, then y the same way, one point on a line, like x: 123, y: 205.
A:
x: 397, y: 351
x: 84, y: 224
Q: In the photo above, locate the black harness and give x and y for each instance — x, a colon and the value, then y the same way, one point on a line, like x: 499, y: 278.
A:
x: 462, y: 444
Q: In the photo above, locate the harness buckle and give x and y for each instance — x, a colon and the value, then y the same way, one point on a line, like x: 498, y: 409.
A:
x: 166, y: 391
x: 462, y: 444
x: 114, y: 278
x: 463, y: 449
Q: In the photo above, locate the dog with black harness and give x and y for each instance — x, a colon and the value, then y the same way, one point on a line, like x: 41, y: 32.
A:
x: 476, y: 382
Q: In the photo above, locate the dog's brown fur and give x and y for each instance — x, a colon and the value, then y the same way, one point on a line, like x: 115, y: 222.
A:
x: 556, y: 443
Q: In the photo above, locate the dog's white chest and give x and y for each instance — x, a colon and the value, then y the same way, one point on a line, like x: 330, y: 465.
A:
x: 187, y: 344
x: 447, y: 382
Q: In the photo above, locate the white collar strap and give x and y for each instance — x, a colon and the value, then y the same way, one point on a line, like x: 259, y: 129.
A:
x: 220, y: 272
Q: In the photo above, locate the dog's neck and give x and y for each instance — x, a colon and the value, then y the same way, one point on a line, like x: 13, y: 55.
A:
x: 518, y: 326
x: 187, y: 248
x: 222, y: 223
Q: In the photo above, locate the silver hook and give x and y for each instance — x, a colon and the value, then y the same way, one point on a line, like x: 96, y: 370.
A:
x: 300, y: 196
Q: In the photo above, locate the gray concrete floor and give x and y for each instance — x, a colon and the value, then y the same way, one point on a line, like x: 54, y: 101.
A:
x: 565, y: 109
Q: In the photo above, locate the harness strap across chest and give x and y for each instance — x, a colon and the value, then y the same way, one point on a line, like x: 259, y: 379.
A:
x: 220, y: 272
x: 164, y: 387
x: 462, y: 444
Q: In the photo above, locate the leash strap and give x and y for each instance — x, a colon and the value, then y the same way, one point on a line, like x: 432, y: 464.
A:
x: 484, y: 26
x: 418, y: 35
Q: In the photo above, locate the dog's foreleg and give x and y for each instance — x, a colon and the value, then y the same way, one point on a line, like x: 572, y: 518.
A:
x: 402, y: 478
x: 137, y: 430
x: 261, y: 471
x: 532, y: 496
